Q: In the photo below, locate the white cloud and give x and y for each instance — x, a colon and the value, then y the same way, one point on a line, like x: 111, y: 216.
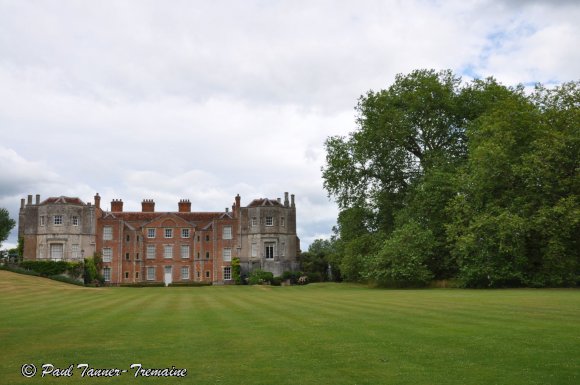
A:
x: 138, y: 99
x: 18, y: 173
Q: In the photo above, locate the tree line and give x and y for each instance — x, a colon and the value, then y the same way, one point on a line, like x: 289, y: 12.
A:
x: 444, y: 179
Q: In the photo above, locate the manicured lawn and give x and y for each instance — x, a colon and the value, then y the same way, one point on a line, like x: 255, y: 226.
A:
x: 315, y: 334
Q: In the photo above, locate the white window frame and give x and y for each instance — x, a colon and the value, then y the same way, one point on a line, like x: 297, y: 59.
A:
x: 269, y: 246
x: 227, y: 273
x: 107, y: 254
x: 42, y: 220
x: 107, y: 233
x: 168, y: 251
x: 107, y: 274
x: 168, y: 233
x: 282, y: 221
x: 57, y: 220
x: 227, y: 232
x: 75, y: 251
x: 227, y: 254
x: 150, y: 233
x: 269, y: 221
x: 75, y: 220
x: 184, y: 233
x: 185, y: 269
x: 254, y: 222
x: 150, y: 252
x: 185, y: 251
x: 55, y: 253
x: 150, y: 273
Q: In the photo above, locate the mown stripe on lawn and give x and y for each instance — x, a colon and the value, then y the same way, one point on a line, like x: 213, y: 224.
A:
x: 330, y: 333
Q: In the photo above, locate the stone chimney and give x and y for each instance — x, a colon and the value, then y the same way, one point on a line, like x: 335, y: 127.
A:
x: 286, y: 199
x: 292, y: 201
x: 184, y: 206
x: 117, y: 206
x: 22, y: 202
x: 236, y: 207
x: 148, y: 206
x: 97, y: 201
x: 29, y: 202
x: 37, y: 199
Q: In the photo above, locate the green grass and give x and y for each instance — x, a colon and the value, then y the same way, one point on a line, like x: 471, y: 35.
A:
x: 315, y: 334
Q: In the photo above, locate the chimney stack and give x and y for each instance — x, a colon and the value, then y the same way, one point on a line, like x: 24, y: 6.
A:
x: 97, y: 201
x: 22, y: 201
x: 236, y: 206
x: 184, y: 206
x: 286, y: 199
x: 292, y: 201
x: 117, y: 206
x: 29, y: 200
x: 148, y: 206
x: 37, y: 199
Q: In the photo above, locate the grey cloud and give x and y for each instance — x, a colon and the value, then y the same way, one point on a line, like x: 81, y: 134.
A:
x: 137, y: 99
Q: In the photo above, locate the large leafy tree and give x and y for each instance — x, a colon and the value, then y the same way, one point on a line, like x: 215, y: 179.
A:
x: 6, y: 225
x: 401, y: 131
x: 442, y: 179
x: 399, y: 166
x: 516, y: 217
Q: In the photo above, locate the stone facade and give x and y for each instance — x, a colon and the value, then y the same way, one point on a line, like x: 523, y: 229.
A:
x: 150, y: 246
x: 59, y: 228
x: 268, y: 236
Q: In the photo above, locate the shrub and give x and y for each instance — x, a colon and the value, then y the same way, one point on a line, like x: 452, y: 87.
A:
x: 143, y: 284
x: 66, y: 279
x: 190, y: 284
x: 236, y: 271
x: 402, y: 258
x: 260, y: 277
x: 315, y: 277
x: 19, y: 270
x: 51, y: 268
x: 293, y: 276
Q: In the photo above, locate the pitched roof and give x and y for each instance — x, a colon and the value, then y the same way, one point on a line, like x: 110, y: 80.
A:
x: 63, y: 200
x: 264, y: 202
x: 140, y: 218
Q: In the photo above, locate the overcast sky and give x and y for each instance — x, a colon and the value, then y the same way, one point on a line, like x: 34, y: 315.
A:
x: 205, y: 100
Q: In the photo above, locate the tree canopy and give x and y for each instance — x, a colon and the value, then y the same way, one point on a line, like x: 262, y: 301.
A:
x: 444, y: 179
x: 6, y: 225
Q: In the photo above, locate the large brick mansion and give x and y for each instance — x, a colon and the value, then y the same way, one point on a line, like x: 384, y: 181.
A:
x: 163, y: 246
